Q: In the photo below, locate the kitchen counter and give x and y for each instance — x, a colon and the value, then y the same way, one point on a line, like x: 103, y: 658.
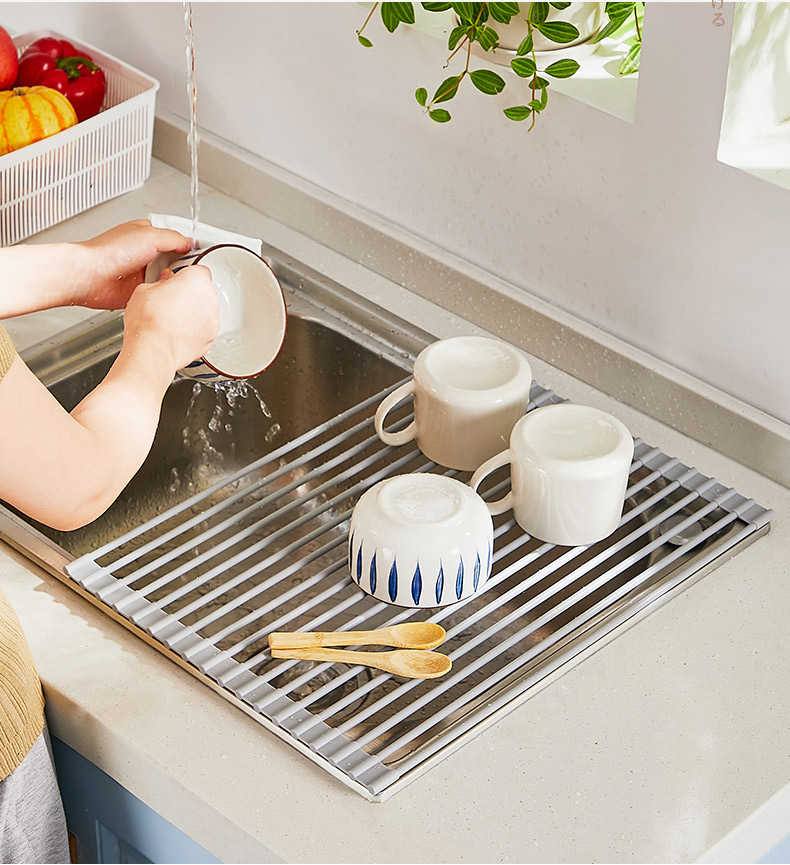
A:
x: 669, y: 744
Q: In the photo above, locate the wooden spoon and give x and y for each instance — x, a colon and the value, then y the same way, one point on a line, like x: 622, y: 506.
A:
x: 411, y: 663
x: 407, y: 635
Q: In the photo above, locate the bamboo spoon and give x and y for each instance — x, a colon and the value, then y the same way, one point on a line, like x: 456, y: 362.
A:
x: 407, y: 635
x: 411, y: 663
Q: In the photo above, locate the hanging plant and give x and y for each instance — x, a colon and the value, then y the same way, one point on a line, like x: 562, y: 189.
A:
x: 622, y: 17
x: 476, y: 25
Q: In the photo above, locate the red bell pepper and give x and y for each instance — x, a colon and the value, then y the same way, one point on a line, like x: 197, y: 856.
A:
x: 56, y: 63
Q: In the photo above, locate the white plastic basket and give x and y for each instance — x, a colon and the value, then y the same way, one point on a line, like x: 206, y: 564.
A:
x: 101, y: 157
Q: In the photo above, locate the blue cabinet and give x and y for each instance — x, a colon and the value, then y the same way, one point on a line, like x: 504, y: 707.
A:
x: 778, y: 854
x: 112, y: 825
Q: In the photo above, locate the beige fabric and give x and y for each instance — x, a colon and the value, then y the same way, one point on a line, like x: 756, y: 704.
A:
x: 21, y: 700
x: 7, y: 351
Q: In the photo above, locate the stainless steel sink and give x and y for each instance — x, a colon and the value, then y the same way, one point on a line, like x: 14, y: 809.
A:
x: 237, y: 525
x: 327, y: 365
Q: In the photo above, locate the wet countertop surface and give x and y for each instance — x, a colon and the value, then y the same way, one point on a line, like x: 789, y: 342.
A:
x: 656, y: 748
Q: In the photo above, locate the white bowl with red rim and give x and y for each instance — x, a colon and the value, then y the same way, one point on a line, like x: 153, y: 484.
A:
x: 252, y: 313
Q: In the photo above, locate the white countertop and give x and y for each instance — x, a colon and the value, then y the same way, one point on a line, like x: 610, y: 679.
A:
x: 652, y: 749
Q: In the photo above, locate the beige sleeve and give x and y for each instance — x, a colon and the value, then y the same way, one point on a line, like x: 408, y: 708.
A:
x: 21, y: 701
x: 7, y: 351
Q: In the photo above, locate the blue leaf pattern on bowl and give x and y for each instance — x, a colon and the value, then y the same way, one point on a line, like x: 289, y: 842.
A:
x: 393, y: 581
x: 416, y: 585
x: 359, y: 566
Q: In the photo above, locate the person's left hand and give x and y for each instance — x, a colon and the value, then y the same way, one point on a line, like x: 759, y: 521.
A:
x: 114, y: 262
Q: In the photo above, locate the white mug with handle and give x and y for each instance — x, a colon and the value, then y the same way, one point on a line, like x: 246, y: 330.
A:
x: 569, y: 468
x: 468, y: 391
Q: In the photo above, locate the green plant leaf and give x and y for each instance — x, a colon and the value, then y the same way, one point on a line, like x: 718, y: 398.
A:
x: 363, y: 40
x: 560, y: 6
x: 562, y: 68
x: 523, y: 66
x: 503, y: 12
x: 487, y: 81
x: 618, y: 14
x: 456, y: 35
x: 619, y: 10
x: 518, y: 112
x: 630, y: 62
x: 538, y: 83
x: 539, y: 104
x: 436, y: 7
x: 439, y: 115
x: 421, y: 95
x: 471, y: 13
x: 538, y: 13
x: 393, y: 13
x: 405, y: 11
x: 487, y: 38
x: 526, y: 45
x: 558, y: 31
x: 447, y: 89
x: 606, y: 31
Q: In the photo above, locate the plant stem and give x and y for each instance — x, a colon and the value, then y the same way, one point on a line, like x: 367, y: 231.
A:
x: 535, y: 61
x: 465, y: 72
x: 636, y: 21
x: 370, y: 15
x: 458, y: 47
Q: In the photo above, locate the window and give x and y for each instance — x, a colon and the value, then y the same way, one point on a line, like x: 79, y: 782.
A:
x: 755, y: 130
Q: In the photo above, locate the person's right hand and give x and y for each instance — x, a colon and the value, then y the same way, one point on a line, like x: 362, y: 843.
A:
x: 180, y: 311
x: 111, y: 265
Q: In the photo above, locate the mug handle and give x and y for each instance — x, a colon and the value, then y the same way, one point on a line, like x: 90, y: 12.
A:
x: 389, y: 402
x: 490, y: 465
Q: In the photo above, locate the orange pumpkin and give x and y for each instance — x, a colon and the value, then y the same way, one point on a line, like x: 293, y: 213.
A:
x: 28, y: 114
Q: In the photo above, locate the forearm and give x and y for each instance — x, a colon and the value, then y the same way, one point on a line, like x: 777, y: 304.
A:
x: 40, y: 276
x: 99, y: 273
x: 75, y: 466
x: 64, y: 469
x: 121, y: 416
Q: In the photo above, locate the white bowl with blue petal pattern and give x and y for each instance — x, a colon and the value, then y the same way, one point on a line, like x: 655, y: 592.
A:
x: 420, y: 540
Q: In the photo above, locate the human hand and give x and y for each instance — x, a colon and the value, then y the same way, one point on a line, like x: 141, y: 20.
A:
x: 114, y: 262
x: 179, y: 313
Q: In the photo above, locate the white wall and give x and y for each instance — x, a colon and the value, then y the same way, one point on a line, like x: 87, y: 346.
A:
x: 634, y: 227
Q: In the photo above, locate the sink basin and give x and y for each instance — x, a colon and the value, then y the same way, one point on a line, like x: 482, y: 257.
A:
x: 237, y: 525
x: 208, y: 433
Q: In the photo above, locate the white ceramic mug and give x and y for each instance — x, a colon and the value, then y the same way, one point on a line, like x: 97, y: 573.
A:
x: 420, y: 540
x: 252, y: 313
x: 569, y: 467
x: 469, y: 391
